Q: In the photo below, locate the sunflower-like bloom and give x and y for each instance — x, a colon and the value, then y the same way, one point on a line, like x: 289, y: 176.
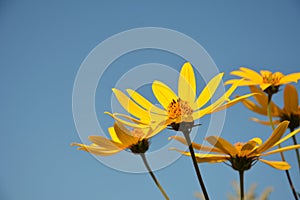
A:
x: 242, y: 156
x: 290, y: 111
x: 179, y: 111
x: 121, y: 138
x: 269, y: 82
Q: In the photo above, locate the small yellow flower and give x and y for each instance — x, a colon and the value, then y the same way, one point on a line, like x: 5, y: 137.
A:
x: 178, y: 110
x: 121, y: 138
x: 290, y: 111
x: 242, y: 156
x: 269, y: 82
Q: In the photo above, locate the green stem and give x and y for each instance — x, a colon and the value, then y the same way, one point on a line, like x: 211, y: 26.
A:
x: 279, y: 146
x: 186, y: 134
x: 241, y: 173
x: 153, y: 177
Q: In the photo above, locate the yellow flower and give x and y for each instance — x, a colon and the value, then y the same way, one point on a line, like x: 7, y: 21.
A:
x: 269, y: 82
x: 290, y: 111
x: 121, y: 138
x: 178, y: 110
x: 242, y: 156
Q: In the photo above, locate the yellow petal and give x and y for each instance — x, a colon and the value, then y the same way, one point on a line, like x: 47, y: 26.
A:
x: 155, y: 129
x: 277, y: 164
x: 113, y: 135
x: 195, y: 145
x: 200, y: 113
x: 241, y: 83
x: 250, y: 146
x: 210, y: 158
x: 131, y: 107
x: 287, y: 137
x: 222, y: 144
x: 208, y: 91
x: 212, y: 108
x: 136, y: 124
x: 124, y: 135
x: 105, y: 143
x: 282, y: 149
x: 254, y: 107
x: 290, y: 99
x: 187, y: 83
x: 290, y: 78
x: 267, y: 123
x: 274, y: 138
x: 251, y: 74
x: 264, y: 86
x: 144, y: 102
x: 232, y: 102
x: 163, y: 94
x: 96, y: 150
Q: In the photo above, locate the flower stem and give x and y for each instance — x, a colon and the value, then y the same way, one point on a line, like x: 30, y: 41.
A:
x: 241, y: 173
x: 153, y: 177
x: 279, y: 146
x: 186, y: 134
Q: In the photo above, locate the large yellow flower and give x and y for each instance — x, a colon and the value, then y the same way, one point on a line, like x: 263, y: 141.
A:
x: 266, y: 80
x: 121, y: 138
x: 184, y: 107
x: 242, y: 156
x: 290, y: 111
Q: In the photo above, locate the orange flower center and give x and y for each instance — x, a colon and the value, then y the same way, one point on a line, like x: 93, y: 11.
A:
x: 179, y: 108
x: 271, y: 78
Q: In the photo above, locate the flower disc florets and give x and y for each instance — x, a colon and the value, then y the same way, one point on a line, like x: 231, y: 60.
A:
x: 181, y: 112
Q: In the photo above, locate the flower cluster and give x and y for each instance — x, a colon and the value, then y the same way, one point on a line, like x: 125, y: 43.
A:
x: 179, y: 111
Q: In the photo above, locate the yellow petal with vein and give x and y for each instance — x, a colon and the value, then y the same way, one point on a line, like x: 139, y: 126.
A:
x: 163, y: 93
x: 274, y: 138
x: 222, y: 144
x: 282, y: 149
x: 232, y: 102
x: 113, y: 134
x: 277, y: 164
x: 210, y: 158
x: 290, y: 78
x: 136, y: 124
x: 187, y: 83
x: 131, y: 106
x: 195, y: 145
x: 251, y: 74
x: 124, y: 135
x: 97, y: 150
x: 208, y: 91
x: 287, y: 137
x: 144, y: 102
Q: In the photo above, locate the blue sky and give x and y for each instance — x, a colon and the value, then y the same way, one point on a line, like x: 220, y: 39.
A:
x: 43, y: 44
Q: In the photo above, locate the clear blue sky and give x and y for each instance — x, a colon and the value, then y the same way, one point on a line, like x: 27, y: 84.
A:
x: 42, y: 45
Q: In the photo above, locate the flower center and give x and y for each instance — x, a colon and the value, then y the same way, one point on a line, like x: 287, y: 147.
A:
x: 271, y: 78
x: 179, y: 108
